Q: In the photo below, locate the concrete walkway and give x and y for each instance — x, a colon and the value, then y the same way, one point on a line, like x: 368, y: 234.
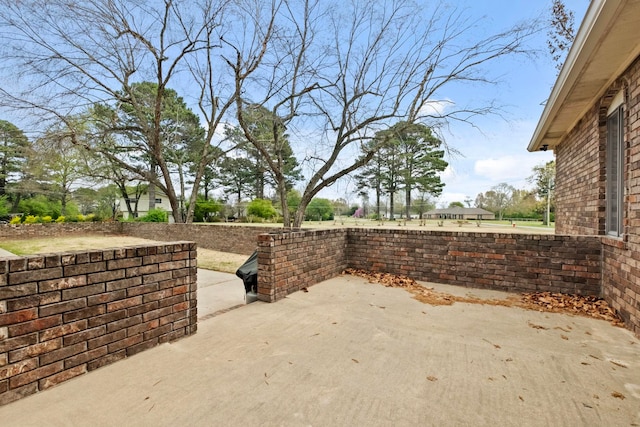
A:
x: 6, y: 254
x: 353, y: 353
x: 218, y: 293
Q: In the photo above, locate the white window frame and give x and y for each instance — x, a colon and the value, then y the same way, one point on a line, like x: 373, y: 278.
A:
x: 615, y: 169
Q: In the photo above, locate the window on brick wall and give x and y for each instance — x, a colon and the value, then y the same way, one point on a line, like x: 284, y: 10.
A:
x: 615, y: 169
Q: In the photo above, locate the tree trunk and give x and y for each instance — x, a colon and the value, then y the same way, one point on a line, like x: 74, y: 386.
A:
x: 407, y: 201
x: 286, y: 216
x: 127, y: 201
x: 298, y: 217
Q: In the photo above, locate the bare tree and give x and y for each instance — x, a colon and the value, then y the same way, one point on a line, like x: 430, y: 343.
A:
x: 498, y: 198
x: 561, y: 32
x: 74, y: 54
x: 334, y: 73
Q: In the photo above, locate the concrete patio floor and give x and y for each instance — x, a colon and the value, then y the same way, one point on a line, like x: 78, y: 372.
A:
x: 352, y: 353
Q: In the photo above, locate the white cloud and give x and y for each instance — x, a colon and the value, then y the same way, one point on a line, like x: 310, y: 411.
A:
x: 446, y: 198
x: 506, y: 168
x: 435, y: 108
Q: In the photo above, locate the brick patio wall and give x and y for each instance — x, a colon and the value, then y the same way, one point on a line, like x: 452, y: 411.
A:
x: 531, y: 262
x: 62, y: 315
x: 508, y: 262
x: 237, y: 239
x: 290, y: 261
x: 27, y: 231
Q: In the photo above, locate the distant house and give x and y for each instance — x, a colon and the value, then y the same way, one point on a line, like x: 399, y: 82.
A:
x: 162, y: 202
x: 592, y: 123
x: 459, y: 213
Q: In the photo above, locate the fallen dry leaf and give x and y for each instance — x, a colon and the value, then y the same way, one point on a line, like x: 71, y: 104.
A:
x: 540, y: 301
x: 564, y: 337
x: 618, y: 395
x: 355, y: 360
x: 432, y: 378
x: 534, y: 326
x: 617, y: 363
x: 583, y: 305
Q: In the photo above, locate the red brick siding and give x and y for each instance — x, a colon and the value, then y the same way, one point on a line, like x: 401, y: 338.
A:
x: 62, y: 315
x: 579, y: 193
x: 580, y: 182
x: 621, y: 258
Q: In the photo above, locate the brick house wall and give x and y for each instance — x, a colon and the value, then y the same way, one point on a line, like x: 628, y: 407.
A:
x: 580, y: 194
x: 621, y: 258
x: 62, y: 315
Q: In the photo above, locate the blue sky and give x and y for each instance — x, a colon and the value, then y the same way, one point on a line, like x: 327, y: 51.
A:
x: 497, y: 151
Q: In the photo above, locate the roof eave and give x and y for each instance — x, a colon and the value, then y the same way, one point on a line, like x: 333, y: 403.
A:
x: 586, y: 74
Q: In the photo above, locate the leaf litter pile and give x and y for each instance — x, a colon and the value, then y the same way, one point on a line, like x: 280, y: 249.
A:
x: 539, y: 301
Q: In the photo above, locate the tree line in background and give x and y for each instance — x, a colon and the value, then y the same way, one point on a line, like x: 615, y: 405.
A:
x: 508, y: 202
x: 53, y: 179
x: 187, y: 97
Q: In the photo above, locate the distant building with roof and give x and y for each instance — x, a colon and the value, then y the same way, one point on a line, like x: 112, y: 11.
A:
x: 459, y: 213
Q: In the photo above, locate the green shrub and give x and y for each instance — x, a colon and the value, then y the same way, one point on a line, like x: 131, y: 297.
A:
x: 205, y: 210
x: 46, y: 219
x: 31, y: 219
x: 155, y: 215
x: 261, y: 208
x: 16, y: 220
x: 319, y: 210
x: 60, y: 219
